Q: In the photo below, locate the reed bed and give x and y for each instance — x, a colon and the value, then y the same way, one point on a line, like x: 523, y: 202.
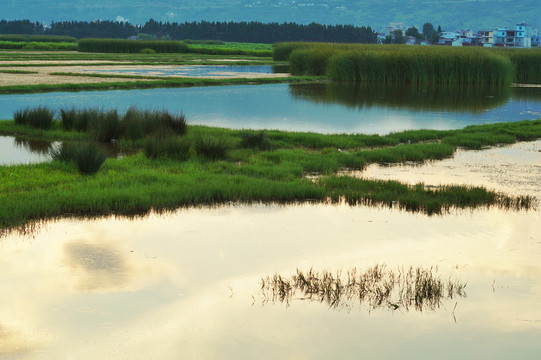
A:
x: 377, y: 287
x: 410, y: 64
x: 526, y: 64
x: 134, y: 124
x: 40, y: 117
x: 38, y: 45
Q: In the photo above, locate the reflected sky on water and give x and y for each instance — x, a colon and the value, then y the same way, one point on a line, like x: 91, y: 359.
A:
x: 187, y: 284
x: 324, y: 108
x: 189, y: 71
x: 14, y: 150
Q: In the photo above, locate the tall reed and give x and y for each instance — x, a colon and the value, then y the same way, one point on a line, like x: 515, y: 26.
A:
x: 397, y: 64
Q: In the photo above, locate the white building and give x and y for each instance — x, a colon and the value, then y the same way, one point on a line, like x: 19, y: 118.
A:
x: 519, y: 37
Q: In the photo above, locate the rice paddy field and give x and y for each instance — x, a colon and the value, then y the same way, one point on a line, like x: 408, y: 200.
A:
x: 379, y: 202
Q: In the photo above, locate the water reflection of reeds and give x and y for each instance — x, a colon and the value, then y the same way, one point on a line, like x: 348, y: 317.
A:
x: 376, y: 287
x: 40, y: 147
x: 464, y: 99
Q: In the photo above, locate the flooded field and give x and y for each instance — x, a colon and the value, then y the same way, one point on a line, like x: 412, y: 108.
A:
x: 188, y: 284
x: 323, y: 108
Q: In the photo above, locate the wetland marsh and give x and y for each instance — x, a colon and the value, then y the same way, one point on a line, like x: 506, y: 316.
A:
x: 395, y: 222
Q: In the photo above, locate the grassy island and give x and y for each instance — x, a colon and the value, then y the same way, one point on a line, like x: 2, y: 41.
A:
x: 205, y: 165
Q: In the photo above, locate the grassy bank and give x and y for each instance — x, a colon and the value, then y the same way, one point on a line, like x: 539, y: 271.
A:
x: 268, y: 166
x: 36, y: 38
x: 158, y: 46
x: 38, y: 45
x: 411, y: 64
x: 142, y: 82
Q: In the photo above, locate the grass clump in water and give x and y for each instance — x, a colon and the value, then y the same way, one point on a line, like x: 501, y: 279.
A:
x: 378, y: 287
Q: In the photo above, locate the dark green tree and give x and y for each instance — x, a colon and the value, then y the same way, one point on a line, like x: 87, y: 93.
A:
x: 388, y: 39
x: 428, y: 30
x: 398, y: 37
x: 412, y: 31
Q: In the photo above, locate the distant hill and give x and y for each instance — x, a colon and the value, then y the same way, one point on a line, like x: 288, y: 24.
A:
x: 450, y: 14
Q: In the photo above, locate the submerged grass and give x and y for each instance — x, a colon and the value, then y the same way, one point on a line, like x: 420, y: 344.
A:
x: 214, y: 165
x: 376, y: 287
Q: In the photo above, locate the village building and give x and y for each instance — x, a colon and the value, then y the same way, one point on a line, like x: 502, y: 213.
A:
x: 519, y: 37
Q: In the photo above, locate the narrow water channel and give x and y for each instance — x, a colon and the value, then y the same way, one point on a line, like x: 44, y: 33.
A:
x: 323, y: 108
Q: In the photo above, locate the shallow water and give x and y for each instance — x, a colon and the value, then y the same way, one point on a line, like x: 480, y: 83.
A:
x: 22, y: 151
x: 187, y: 284
x: 15, y: 150
x: 324, y: 108
x: 513, y: 169
x: 190, y: 71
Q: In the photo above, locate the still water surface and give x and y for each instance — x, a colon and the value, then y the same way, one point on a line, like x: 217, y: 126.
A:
x: 14, y: 150
x: 187, y: 284
x: 190, y: 71
x: 324, y: 108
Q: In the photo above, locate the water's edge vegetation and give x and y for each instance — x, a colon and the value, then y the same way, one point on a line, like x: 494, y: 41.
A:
x: 205, y: 165
x: 141, y: 82
x: 411, y: 64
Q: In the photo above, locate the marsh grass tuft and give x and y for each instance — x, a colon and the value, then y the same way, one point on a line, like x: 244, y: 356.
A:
x: 65, y: 152
x: 255, y: 140
x: 378, y: 287
x: 212, y: 147
x: 68, y: 117
x: 40, y: 117
x: 176, y: 123
x: 89, y: 157
x: 21, y: 116
x: 107, y: 127
x: 171, y: 147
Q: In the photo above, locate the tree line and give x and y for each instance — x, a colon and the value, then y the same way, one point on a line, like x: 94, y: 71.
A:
x: 256, y: 32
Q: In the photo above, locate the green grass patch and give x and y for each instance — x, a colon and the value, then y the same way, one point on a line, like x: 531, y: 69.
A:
x: 17, y: 72
x: 153, y: 83
x: 36, y: 38
x: 38, y: 45
x: 170, y: 171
